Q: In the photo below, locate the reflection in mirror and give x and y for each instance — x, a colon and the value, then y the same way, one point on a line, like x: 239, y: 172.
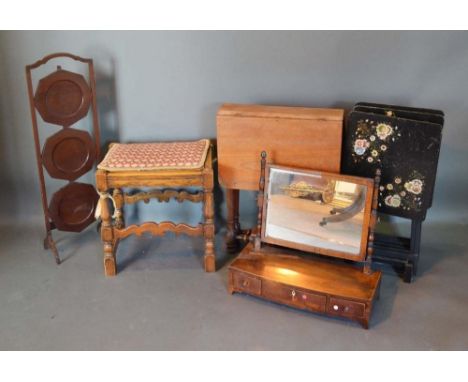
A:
x: 315, y: 210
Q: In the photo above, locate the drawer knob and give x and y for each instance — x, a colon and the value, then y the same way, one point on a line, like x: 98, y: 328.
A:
x: 245, y: 283
x: 293, y: 293
x: 335, y: 307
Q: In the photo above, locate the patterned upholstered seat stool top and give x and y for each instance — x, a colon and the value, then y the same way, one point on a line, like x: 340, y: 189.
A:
x: 168, y: 168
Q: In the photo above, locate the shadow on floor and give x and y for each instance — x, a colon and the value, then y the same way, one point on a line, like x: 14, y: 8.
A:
x: 440, y: 241
x: 69, y: 244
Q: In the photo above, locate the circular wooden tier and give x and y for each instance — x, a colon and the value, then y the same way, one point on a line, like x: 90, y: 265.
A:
x: 62, y: 98
x: 72, y: 207
x: 68, y: 154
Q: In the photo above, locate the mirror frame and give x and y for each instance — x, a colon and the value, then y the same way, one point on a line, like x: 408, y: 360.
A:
x: 366, y: 182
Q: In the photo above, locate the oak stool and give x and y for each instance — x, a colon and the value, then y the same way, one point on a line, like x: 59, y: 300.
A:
x: 162, y: 164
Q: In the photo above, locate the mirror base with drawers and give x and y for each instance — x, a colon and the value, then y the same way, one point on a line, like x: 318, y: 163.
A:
x: 305, y: 282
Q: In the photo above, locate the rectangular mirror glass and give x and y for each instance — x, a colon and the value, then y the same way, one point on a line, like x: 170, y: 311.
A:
x: 315, y: 211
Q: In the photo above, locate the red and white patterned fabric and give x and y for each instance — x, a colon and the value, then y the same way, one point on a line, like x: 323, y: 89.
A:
x: 155, y: 156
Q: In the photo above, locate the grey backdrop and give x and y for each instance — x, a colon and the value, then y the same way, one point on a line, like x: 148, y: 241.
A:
x: 168, y: 85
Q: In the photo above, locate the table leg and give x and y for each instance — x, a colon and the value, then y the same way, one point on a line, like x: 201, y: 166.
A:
x: 233, y: 226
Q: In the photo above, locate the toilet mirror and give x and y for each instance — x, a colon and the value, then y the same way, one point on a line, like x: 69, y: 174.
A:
x: 319, y: 212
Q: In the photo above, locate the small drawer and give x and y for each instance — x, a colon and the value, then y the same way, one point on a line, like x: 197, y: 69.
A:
x: 313, y: 301
x: 346, y: 308
x: 294, y: 297
x: 246, y: 283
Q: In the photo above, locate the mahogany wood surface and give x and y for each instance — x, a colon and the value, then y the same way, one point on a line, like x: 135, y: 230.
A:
x: 307, y: 271
x: 72, y: 207
x: 63, y: 98
x: 305, y: 282
x: 291, y: 136
x: 68, y: 154
x: 113, y: 227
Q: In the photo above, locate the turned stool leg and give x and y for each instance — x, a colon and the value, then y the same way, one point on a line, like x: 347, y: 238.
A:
x: 208, y: 231
x: 107, y: 236
x: 119, y: 202
x: 208, y: 225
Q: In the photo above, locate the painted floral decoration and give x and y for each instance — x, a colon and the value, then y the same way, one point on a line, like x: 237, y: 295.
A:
x: 360, y: 146
x: 383, y: 130
x: 414, y: 186
x: 393, y: 200
x: 371, y: 139
x: 403, y: 193
x: 370, y: 142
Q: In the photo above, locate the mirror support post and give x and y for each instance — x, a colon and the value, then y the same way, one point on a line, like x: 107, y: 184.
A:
x: 260, y: 198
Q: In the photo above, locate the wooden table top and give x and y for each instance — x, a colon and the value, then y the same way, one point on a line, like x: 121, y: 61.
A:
x: 291, y: 136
